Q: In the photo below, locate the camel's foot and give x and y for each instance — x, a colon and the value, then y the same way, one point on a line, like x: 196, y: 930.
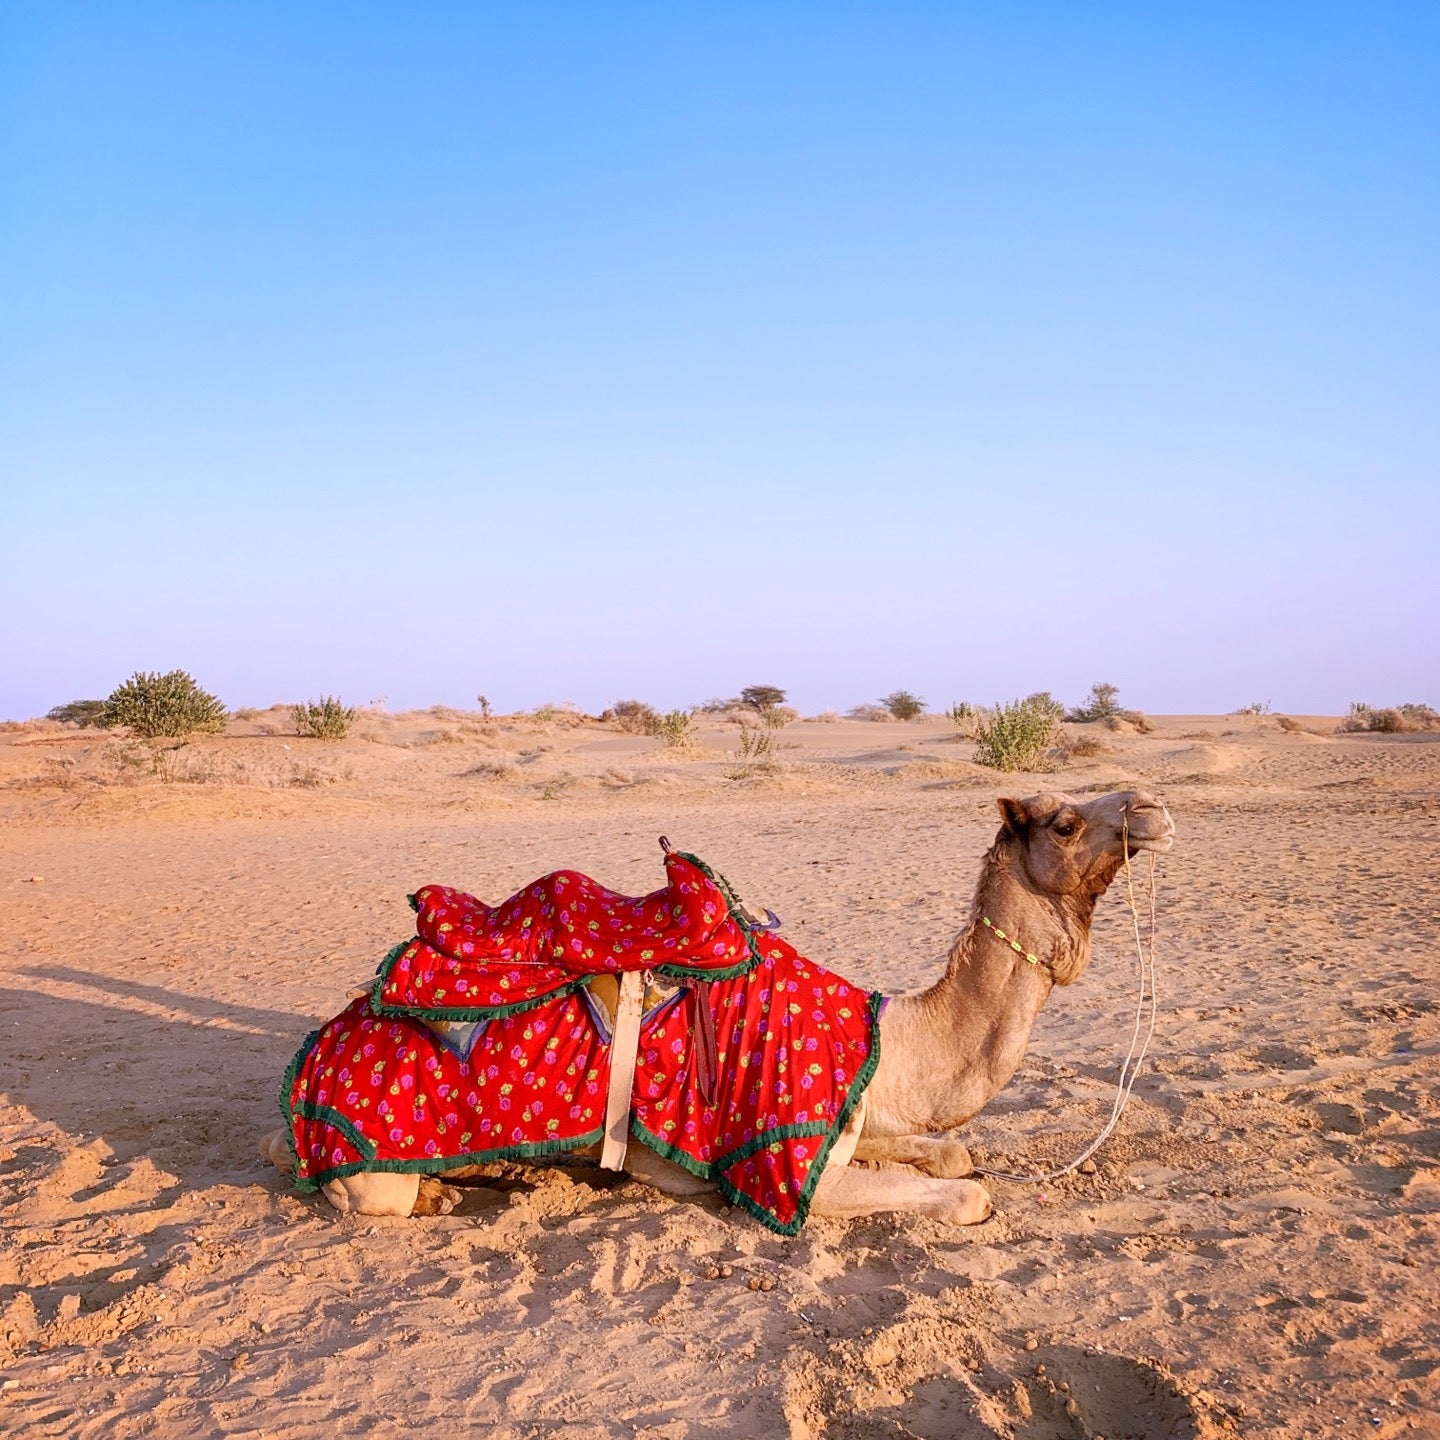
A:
x: 435, y: 1197
x: 847, y: 1191
x: 940, y: 1156
x: 644, y: 1165
x: 275, y: 1147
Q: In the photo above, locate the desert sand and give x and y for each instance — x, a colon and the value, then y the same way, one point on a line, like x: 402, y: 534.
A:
x: 1255, y: 1252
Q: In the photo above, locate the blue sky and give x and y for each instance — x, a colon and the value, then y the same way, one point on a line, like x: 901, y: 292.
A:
x: 582, y: 352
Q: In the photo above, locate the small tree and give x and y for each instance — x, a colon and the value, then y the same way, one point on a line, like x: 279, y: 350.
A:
x: 79, y: 712
x: 163, y: 705
x: 1102, y: 702
x: 762, y: 697
x: 903, y: 705
x: 326, y: 719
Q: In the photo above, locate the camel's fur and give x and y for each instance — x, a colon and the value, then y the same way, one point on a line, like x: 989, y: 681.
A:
x: 945, y: 1052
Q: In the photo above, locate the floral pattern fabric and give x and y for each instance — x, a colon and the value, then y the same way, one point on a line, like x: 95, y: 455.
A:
x: 377, y: 1089
x: 469, y: 960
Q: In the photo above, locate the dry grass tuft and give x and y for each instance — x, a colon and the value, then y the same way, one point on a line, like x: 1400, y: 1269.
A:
x: 1408, y: 719
x: 1076, y: 745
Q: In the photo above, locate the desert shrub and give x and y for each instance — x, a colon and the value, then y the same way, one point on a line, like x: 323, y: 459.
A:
x: 676, y: 728
x: 326, y: 719
x: 868, y: 712
x: 1136, y: 719
x: 1255, y: 707
x: 903, y: 705
x: 1044, y: 700
x: 827, y: 717
x: 964, y: 717
x: 634, y: 717
x: 755, y: 753
x: 1077, y: 745
x: 1390, y: 719
x: 1102, y: 702
x: 163, y: 705
x: 762, y: 697
x: 1293, y: 727
x: 778, y: 715
x: 1015, y: 736
x: 79, y: 712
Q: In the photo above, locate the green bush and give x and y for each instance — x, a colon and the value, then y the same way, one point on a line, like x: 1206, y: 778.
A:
x: 326, y: 719
x: 163, y: 705
x: 79, y: 712
x: 676, y: 728
x: 903, y: 705
x: 1044, y: 700
x: 1102, y: 702
x: 1016, y: 736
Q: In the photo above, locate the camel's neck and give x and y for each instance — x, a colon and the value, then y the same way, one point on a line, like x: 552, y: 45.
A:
x: 947, y: 1051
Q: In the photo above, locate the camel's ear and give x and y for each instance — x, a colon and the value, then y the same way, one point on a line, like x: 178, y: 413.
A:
x: 1014, y: 814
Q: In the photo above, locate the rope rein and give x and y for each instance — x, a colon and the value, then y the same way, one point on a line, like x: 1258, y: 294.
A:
x: 1145, y: 1007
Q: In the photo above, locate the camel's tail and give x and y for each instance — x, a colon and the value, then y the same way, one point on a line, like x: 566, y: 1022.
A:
x: 275, y: 1147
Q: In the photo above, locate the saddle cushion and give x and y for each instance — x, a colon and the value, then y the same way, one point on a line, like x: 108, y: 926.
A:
x: 796, y: 1047
x: 473, y: 961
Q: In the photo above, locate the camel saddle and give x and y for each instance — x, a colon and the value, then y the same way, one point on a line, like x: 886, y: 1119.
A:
x: 570, y: 1015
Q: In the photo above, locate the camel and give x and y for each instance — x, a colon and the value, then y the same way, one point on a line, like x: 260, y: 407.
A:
x: 945, y: 1051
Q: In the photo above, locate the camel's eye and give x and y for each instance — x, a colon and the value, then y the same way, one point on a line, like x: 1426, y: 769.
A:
x: 1065, y: 828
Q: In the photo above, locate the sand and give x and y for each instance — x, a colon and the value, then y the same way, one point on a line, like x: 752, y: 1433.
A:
x: 1255, y: 1253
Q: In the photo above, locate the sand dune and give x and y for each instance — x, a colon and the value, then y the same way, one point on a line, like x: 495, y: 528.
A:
x: 1255, y: 1252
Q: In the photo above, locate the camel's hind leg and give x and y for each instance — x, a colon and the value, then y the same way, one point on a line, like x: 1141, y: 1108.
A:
x: 845, y: 1191
x: 371, y: 1192
x: 380, y: 1192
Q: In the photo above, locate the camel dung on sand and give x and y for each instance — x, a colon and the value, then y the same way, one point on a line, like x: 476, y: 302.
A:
x: 944, y: 1052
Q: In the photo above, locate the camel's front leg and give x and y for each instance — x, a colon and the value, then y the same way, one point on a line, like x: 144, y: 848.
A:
x: 843, y: 1191
x: 931, y: 1155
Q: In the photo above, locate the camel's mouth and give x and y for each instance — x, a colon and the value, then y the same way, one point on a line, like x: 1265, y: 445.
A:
x: 1148, y: 826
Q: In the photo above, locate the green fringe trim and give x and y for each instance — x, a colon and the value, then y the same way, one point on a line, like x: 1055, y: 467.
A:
x: 292, y: 1070
x: 435, y: 1164
x: 732, y: 902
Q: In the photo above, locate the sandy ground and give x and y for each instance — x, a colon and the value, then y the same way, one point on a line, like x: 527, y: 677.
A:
x: 1255, y: 1254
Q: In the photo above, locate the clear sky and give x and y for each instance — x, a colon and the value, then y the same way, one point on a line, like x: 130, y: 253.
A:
x: 589, y: 351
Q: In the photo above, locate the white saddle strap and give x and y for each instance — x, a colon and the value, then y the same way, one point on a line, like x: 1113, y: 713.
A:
x: 624, y: 1046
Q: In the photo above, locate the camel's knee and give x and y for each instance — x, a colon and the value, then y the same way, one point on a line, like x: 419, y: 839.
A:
x: 947, y: 1160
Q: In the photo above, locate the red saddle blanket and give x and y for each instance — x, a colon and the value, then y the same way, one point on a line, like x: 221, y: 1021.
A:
x: 519, y: 1068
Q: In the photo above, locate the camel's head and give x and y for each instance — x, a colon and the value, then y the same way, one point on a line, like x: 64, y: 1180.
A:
x: 1072, y: 849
